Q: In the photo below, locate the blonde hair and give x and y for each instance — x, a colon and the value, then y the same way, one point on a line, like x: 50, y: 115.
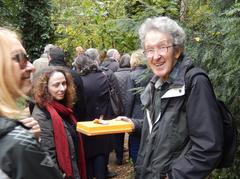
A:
x: 79, y: 50
x: 137, y: 58
x: 9, y: 89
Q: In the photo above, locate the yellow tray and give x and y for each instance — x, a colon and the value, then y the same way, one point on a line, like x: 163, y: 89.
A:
x: 112, y: 127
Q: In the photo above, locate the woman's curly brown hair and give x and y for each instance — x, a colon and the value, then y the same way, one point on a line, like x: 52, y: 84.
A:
x: 40, y: 88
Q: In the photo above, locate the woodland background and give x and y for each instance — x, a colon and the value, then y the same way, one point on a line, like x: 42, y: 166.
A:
x: 212, y: 28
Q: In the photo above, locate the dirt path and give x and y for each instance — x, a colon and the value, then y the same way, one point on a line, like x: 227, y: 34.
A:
x: 124, y: 171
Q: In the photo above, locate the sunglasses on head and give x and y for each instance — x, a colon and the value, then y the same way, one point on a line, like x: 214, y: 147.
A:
x: 22, y: 59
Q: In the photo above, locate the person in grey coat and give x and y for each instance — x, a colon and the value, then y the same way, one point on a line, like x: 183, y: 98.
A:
x: 182, y: 132
x: 123, y: 77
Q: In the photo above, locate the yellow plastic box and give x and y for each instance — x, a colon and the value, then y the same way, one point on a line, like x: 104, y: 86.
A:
x: 91, y: 128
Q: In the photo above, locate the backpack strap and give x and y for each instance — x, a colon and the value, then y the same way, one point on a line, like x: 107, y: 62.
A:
x: 189, y: 76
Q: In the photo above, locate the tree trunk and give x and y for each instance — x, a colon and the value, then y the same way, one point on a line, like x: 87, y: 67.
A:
x: 183, y: 9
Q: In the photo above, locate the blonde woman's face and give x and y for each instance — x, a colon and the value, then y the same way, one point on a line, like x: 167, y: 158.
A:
x: 22, y: 68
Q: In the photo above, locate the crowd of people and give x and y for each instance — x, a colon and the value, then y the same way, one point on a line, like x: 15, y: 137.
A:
x: 176, y: 135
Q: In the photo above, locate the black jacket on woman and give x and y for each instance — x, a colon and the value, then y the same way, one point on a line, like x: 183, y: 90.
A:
x: 21, y: 155
x: 97, y: 103
x: 111, y: 64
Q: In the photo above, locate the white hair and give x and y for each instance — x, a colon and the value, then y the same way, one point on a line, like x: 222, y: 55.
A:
x: 47, y: 48
x: 164, y: 25
x: 111, y: 52
x: 93, y: 54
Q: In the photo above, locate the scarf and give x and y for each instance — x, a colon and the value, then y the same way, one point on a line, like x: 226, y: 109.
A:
x: 61, y: 141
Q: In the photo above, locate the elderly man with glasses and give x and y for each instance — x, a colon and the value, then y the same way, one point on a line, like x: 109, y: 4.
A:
x: 182, y: 134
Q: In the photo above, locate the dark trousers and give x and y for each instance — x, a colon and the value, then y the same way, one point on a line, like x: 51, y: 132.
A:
x: 133, y: 146
x: 96, y: 167
x: 119, y: 146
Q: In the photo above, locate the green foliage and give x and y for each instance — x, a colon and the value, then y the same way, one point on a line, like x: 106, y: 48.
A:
x: 9, y: 12
x: 216, y: 48
x: 221, y: 5
x: 104, y: 24
x: 32, y: 20
x: 98, y: 25
x: 36, y: 25
x: 198, y: 15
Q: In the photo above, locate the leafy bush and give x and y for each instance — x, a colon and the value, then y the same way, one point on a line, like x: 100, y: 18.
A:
x: 32, y: 20
x: 105, y: 24
x: 216, y: 48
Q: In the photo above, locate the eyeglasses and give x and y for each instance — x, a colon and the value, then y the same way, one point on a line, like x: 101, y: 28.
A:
x: 161, y: 50
x: 22, y: 59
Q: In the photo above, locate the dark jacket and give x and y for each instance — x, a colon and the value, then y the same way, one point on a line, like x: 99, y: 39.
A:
x: 185, y: 141
x: 111, y: 64
x: 97, y: 103
x: 47, y: 136
x: 123, y: 77
x: 79, y: 107
x: 139, y: 81
x: 21, y: 155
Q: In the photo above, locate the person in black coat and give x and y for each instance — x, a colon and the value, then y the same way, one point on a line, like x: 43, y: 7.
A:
x: 111, y: 62
x: 97, y: 103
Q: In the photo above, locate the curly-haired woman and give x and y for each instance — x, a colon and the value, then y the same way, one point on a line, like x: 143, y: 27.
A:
x: 54, y: 95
